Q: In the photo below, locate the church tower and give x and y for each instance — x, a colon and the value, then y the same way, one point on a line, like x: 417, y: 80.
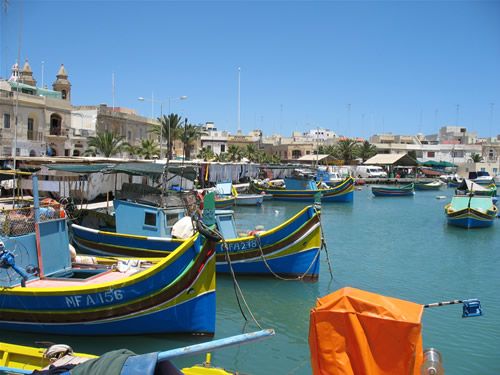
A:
x: 62, y: 84
x: 27, y: 75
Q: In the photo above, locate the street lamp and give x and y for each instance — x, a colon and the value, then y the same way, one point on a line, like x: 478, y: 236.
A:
x: 169, y: 100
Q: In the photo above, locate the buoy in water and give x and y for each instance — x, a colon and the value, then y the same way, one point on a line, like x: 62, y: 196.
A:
x: 440, y: 196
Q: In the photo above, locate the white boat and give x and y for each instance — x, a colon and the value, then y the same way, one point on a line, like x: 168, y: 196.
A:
x: 249, y: 199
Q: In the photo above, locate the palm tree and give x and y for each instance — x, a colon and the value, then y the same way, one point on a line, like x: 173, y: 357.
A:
x: 345, y: 149
x: 106, y: 144
x: 251, y: 152
x: 190, y: 134
x: 206, y: 154
x: 328, y: 150
x: 366, y: 150
x: 222, y: 157
x: 170, y: 128
x: 234, y: 153
x: 148, y: 149
x: 476, y: 158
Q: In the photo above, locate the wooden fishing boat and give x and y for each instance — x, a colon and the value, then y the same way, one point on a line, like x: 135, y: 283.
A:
x: 291, y: 248
x: 44, y: 291
x: 223, y: 202
x: 433, y: 185
x: 20, y: 359
x: 227, y: 190
x: 306, y: 190
x: 393, y: 191
x: 469, y: 211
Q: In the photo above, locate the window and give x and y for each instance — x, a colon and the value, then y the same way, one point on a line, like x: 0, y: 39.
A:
x: 431, y: 154
x: 64, y: 94
x: 55, y: 124
x: 457, y: 154
x: 495, y: 170
x: 6, y: 121
x: 129, y: 135
x: 30, y: 135
x: 222, y: 148
x: 296, y: 154
x: 150, y: 219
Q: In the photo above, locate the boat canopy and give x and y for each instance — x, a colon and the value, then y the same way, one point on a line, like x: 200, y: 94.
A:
x: 352, y: 331
x: 132, y: 168
x: 471, y: 186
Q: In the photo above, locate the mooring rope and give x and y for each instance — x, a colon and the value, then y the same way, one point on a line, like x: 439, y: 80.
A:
x: 300, y: 277
x: 323, y: 241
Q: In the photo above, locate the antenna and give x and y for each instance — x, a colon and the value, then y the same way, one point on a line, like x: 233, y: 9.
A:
x: 113, y: 89
x: 491, y: 118
x: 239, y: 114
x: 457, y: 114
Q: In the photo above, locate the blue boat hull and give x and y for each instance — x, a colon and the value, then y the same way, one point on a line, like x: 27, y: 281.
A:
x: 470, y: 222
x: 197, y: 316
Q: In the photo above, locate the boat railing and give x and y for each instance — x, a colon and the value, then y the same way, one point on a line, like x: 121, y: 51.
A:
x: 20, y: 221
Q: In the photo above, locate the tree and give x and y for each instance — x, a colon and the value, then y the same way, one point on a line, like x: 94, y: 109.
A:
x: 170, y: 128
x: 234, y: 153
x: 346, y: 149
x: 366, y: 150
x: 476, y: 158
x: 329, y: 150
x: 190, y: 133
x: 106, y: 144
x: 251, y: 152
x: 222, y: 157
x: 206, y: 154
x: 148, y: 149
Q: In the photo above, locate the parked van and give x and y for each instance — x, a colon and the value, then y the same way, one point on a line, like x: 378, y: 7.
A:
x: 370, y: 171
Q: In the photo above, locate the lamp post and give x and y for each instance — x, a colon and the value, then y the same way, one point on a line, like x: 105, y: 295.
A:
x: 161, y: 102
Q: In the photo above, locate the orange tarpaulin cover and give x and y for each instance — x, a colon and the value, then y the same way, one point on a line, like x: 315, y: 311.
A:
x: 356, y: 332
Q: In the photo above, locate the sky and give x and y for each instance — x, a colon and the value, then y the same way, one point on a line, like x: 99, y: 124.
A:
x: 357, y: 68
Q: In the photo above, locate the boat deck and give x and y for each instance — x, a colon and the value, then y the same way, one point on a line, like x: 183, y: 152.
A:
x: 108, y: 276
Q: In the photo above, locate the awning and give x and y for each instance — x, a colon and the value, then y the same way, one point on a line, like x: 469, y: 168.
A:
x: 403, y: 160
x: 154, y: 170
x: 133, y: 168
x: 79, y: 168
x: 437, y: 164
x: 352, y: 332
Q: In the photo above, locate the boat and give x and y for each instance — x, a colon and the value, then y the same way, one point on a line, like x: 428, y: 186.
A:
x: 467, y: 187
x: 226, y: 189
x: 393, y: 191
x: 481, y: 178
x: 21, y: 359
x: 290, y: 249
x: 471, y: 211
x: 433, y: 185
x: 44, y: 290
x: 307, y: 190
x: 223, y: 202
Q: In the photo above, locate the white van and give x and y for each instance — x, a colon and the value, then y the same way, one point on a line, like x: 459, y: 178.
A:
x: 370, y: 171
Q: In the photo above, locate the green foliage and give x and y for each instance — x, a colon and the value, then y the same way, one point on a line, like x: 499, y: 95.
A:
x: 346, y: 150
x: 107, y: 144
x: 251, y: 153
x: 365, y: 150
x: 222, y: 157
x: 170, y: 127
x: 476, y: 158
x: 148, y: 149
x: 206, y: 154
x: 189, y: 134
x: 234, y: 153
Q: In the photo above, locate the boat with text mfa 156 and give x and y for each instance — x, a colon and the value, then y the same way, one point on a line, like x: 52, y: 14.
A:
x: 345, y: 334
x: 394, y: 191
x: 302, y: 187
x: 147, y: 223
x: 47, y: 289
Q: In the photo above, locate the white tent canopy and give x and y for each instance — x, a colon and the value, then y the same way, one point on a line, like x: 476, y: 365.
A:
x: 392, y: 159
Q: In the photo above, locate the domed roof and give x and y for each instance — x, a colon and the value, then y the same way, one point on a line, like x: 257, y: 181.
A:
x: 62, y: 77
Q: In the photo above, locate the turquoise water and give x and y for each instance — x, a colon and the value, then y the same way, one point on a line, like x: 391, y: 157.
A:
x: 397, y: 246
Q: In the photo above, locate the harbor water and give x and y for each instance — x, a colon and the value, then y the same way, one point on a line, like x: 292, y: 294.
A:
x: 396, y: 246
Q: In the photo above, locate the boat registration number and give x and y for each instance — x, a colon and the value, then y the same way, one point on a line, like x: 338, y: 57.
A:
x: 241, y: 246
x: 95, y: 299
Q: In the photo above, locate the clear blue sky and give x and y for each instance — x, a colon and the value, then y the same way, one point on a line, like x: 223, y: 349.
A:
x: 401, y: 66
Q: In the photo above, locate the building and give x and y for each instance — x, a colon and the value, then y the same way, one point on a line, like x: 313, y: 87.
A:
x: 214, y: 139
x: 35, y: 121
